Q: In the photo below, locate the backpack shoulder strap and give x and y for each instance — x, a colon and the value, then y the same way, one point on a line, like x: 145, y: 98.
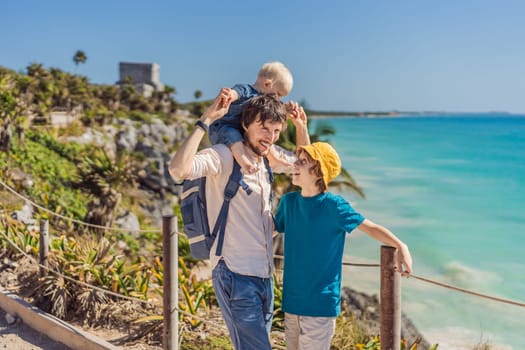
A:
x: 270, y: 171
x: 232, y: 186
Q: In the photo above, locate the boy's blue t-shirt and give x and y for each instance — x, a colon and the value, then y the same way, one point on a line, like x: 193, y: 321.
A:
x: 228, y: 129
x: 314, y: 235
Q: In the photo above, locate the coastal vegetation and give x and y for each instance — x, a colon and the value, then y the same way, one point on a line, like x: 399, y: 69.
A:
x: 86, y: 187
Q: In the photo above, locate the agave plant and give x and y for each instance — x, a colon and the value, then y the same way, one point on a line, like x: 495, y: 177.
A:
x: 58, y: 290
x: 196, y: 295
x: 103, y: 178
x: 278, y: 313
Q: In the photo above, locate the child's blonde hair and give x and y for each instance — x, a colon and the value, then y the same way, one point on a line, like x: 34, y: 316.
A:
x: 277, y: 73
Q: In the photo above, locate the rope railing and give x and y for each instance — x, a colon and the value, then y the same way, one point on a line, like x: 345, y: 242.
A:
x: 211, y: 324
x: 427, y: 280
x: 203, y: 320
x: 104, y: 291
x: 440, y: 284
x: 118, y: 229
x: 448, y: 286
x: 70, y: 279
x: 344, y: 262
x: 466, y: 291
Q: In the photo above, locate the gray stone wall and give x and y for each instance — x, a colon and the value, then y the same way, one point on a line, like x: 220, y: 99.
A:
x: 141, y: 74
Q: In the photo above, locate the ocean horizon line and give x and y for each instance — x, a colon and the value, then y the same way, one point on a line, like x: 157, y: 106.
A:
x: 396, y: 113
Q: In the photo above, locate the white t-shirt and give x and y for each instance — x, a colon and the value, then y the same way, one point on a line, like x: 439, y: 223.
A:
x: 247, y: 247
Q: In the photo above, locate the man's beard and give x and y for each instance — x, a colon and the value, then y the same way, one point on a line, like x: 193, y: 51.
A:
x: 256, y: 150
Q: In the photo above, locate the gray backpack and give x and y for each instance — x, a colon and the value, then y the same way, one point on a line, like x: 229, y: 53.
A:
x: 195, y: 214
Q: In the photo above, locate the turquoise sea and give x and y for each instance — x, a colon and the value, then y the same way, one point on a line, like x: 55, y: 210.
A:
x: 453, y: 188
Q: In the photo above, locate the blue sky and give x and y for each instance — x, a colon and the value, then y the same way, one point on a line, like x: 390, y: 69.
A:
x: 350, y: 55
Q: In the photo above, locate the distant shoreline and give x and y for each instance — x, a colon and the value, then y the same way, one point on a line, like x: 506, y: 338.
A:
x: 397, y: 114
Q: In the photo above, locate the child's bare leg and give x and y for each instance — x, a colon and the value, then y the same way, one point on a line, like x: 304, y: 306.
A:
x: 240, y: 155
x: 277, y: 162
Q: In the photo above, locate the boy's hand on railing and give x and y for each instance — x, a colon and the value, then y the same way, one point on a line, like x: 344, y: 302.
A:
x: 404, y: 261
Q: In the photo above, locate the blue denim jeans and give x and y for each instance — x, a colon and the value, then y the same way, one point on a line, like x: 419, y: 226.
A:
x: 247, y: 307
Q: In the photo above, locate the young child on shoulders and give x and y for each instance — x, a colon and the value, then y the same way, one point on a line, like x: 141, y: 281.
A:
x: 273, y: 78
x: 315, y: 223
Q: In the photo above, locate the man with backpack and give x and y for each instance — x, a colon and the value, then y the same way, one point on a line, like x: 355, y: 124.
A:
x: 243, y: 264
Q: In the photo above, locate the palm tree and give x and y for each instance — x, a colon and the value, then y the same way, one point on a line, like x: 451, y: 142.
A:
x: 80, y: 57
x: 36, y: 70
x: 170, y: 90
x: 197, y: 94
x: 5, y: 135
x: 8, y: 111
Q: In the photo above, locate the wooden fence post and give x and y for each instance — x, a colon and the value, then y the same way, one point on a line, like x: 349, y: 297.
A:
x: 390, y: 301
x: 43, y: 246
x: 170, y: 337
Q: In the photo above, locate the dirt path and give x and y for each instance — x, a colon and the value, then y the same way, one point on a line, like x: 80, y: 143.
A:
x: 19, y: 336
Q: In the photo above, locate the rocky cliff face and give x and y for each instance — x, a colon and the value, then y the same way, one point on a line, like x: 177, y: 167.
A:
x: 367, y: 309
x: 154, y: 140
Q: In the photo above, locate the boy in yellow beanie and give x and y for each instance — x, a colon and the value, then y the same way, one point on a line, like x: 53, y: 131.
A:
x: 315, y: 222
